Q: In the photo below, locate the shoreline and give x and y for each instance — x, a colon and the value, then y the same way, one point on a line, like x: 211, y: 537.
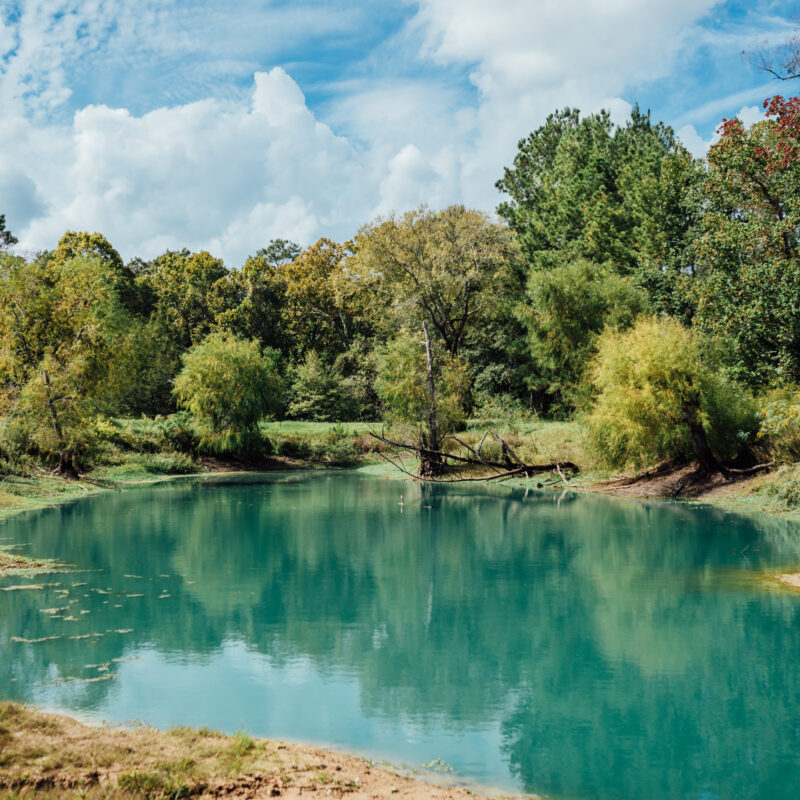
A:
x: 57, y: 755
x: 43, y: 492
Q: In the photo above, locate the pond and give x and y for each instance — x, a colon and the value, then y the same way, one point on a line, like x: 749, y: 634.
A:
x: 577, y: 647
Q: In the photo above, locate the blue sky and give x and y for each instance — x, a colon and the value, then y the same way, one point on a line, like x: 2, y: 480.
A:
x: 218, y: 125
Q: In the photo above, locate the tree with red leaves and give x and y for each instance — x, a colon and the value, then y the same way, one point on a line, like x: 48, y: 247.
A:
x: 748, y: 251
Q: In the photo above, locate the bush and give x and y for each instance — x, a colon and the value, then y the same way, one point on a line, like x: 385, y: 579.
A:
x: 145, y: 435
x: 784, y: 489
x: 336, y: 453
x: 503, y: 410
x: 648, y: 381
x: 168, y: 463
x: 293, y: 447
x: 250, y: 444
x: 779, y: 431
x: 228, y: 384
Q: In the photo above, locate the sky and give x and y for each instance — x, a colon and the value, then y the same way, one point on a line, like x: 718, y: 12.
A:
x: 215, y: 125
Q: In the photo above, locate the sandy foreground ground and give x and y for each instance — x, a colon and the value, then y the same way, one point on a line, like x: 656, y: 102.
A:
x: 48, y: 755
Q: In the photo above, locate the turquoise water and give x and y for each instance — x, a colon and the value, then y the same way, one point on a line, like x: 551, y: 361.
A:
x: 572, y: 646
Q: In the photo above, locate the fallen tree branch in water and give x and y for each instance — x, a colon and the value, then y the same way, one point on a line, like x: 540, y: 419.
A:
x: 510, y: 466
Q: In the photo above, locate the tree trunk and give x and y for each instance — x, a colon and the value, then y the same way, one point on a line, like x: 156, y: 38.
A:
x: 706, y: 460
x: 430, y: 460
x: 65, y: 465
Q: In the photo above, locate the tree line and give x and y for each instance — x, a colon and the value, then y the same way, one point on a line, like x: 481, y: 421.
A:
x: 655, y: 294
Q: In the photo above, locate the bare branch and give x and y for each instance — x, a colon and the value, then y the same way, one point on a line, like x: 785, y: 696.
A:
x: 515, y: 469
x: 782, y: 60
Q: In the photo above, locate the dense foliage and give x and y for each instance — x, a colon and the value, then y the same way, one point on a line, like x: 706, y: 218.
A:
x: 536, y: 312
x: 653, y: 382
x: 228, y: 384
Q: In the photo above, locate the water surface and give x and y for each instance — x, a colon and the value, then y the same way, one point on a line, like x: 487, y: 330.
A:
x: 578, y: 647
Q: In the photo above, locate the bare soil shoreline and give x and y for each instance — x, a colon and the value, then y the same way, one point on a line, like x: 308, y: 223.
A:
x: 49, y: 755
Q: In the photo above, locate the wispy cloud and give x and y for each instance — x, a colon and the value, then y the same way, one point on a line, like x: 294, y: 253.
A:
x: 714, y: 109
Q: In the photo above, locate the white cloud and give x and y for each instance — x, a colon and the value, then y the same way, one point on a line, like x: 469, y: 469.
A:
x: 527, y: 59
x: 519, y: 45
x: 209, y: 174
x: 698, y: 146
x: 751, y: 114
x: 693, y: 141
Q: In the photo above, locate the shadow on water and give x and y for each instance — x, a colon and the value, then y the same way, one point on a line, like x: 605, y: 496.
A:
x: 577, y: 647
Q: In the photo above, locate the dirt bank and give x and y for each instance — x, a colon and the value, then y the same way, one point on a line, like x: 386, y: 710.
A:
x: 687, y: 482
x: 684, y: 480
x: 46, y: 755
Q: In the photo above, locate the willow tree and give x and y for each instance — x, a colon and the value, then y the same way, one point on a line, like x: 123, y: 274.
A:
x: 661, y: 393
x: 229, y: 385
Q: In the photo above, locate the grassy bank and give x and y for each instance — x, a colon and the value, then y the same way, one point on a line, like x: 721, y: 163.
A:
x: 49, y: 756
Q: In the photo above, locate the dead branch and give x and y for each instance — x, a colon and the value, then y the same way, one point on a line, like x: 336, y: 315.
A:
x: 749, y: 470
x: 507, y: 451
x: 508, y: 467
x: 476, y: 453
x: 398, y: 466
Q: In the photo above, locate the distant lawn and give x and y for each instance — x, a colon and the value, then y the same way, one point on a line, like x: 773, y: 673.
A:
x: 300, y: 428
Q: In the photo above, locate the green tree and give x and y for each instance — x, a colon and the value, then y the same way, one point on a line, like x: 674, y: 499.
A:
x: 146, y: 360
x: 660, y: 393
x: 279, y: 252
x: 319, y: 392
x: 257, y: 296
x: 447, y: 268
x: 6, y: 237
x: 192, y: 290
x: 59, y: 325
x: 748, y: 286
x: 427, y: 393
x: 622, y: 196
x: 341, y: 390
x: 568, y: 308
x: 95, y: 246
x: 324, y: 307
x: 228, y: 384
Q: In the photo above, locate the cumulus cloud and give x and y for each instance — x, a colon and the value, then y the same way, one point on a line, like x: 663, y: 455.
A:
x: 225, y: 176
x: 529, y: 58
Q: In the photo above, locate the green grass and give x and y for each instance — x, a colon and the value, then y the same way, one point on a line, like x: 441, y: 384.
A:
x: 301, y: 428
x: 31, y: 493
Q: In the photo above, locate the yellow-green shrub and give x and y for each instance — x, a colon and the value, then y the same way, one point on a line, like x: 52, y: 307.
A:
x: 645, y: 379
x: 779, y: 431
